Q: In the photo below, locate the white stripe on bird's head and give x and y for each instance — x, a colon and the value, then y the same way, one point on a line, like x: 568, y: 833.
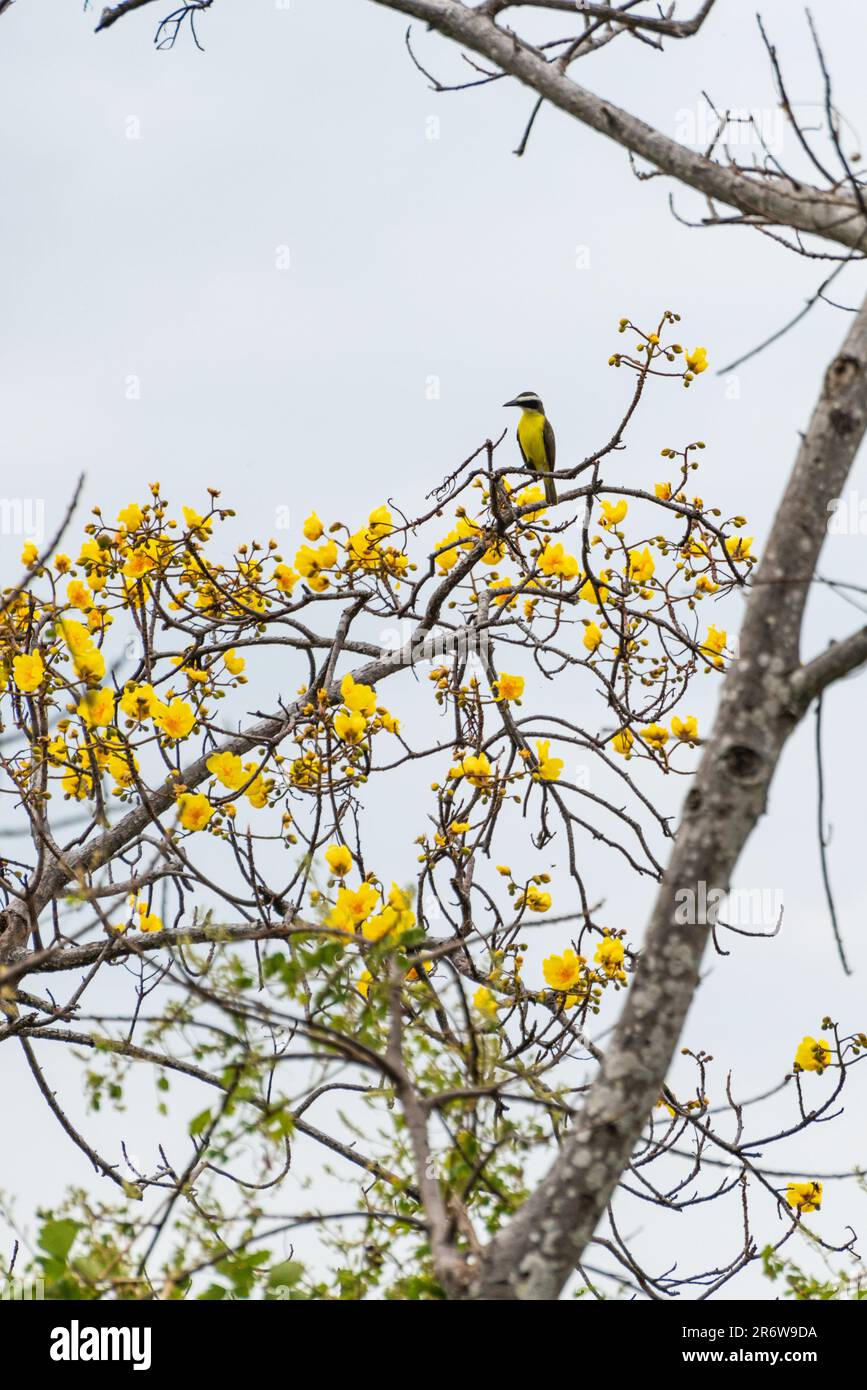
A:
x: 528, y: 400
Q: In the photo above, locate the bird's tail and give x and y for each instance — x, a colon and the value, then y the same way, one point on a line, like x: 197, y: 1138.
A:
x: 550, y: 492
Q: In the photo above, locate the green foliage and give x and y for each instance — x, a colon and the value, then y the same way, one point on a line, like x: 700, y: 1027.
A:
x: 804, y: 1287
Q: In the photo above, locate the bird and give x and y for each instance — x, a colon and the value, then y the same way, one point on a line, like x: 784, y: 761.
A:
x: 536, y: 439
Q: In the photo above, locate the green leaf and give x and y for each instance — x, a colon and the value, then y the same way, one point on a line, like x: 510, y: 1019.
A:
x: 285, y: 1274
x: 57, y: 1236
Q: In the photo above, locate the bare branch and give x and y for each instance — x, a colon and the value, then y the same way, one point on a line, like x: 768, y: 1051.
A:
x: 831, y: 215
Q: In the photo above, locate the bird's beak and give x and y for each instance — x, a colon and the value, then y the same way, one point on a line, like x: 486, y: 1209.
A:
x: 505, y: 403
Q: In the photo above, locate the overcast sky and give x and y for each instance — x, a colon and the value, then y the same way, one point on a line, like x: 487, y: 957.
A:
x: 286, y: 268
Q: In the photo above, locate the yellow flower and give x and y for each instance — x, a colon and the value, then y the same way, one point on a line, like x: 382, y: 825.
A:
x: 339, y: 859
x: 194, y: 810
x: 714, y: 645
x: 622, y: 742
x: 501, y: 589
x: 380, y: 521
x: 360, y: 699
x: 389, y: 723
x: 79, y: 595
x: 592, y: 637
x: 475, y: 767
x: 196, y: 522
x: 563, y: 972
x: 535, y: 899
x: 549, y: 768
x: 696, y: 546
x: 98, y: 619
x: 494, y: 554
x: 610, y: 954
x: 56, y: 751
x: 696, y: 360
x: 353, y: 907
x: 526, y: 497
x: 613, y: 512
x: 705, y: 585
x: 656, y: 735
x: 139, y: 702
x: 509, y: 687
x: 97, y: 708
x: 227, y: 769
x: 90, y: 664
x: 804, y: 1196
x: 121, y: 768
x: 194, y: 674
x: 589, y: 594
x: 28, y: 671
x: 148, y: 921
x: 75, y: 635
x: 286, y: 578
x: 663, y: 491
x: 363, y: 550
x: 138, y: 564
x: 310, y: 564
x: 312, y: 528
x: 459, y: 827
x: 641, y: 565
x: 131, y: 517
x: 176, y: 720
x: 812, y: 1055
x: 257, y: 792
x: 738, y: 547
x: 350, y: 727
x: 398, y: 899
x: 555, y: 561
x: 395, y: 919
x: 485, y: 1002
x: 77, y: 782
x: 92, y: 553
x: 447, y: 559
x: 29, y: 554
x: 234, y: 664
x: 686, y: 730
x: 363, y: 983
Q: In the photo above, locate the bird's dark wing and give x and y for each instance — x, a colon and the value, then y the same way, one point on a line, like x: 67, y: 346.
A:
x: 551, y: 454
x: 550, y: 443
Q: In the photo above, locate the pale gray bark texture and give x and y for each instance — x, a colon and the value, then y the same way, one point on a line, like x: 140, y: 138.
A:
x: 765, y: 693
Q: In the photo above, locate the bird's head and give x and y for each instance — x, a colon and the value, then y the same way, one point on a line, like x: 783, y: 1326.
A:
x: 528, y: 400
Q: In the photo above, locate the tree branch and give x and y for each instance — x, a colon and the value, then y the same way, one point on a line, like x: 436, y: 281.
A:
x: 654, y: 24
x: 838, y: 660
x: 112, y: 13
x: 534, y: 1256
x: 832, y: 216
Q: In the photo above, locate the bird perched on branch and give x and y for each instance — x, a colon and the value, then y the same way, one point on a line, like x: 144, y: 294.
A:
x: 536, y: 439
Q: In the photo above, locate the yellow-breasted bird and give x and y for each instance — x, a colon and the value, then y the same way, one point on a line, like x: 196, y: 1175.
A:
x: 536, y: 439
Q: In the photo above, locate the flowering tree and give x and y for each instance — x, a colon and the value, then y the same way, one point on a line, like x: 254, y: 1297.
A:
x: 201, y: 877
x: 222, y: 860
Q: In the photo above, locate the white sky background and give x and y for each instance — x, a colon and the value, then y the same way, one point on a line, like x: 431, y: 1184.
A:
x: 414, y: 258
